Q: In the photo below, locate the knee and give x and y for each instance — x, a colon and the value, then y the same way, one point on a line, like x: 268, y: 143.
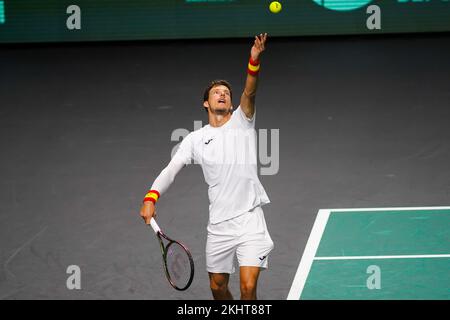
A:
x: 248, y: 288
x: 218, y: 288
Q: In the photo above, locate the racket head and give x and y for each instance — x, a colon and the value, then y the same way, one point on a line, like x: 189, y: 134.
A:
x: 178, y: 265
x: 177, y: 261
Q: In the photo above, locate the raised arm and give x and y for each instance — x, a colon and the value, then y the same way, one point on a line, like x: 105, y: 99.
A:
x: 249, y: 94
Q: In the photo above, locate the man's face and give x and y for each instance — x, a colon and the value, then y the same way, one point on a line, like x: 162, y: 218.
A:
x: 219, y: 100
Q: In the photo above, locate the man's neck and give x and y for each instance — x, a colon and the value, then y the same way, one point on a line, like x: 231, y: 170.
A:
x: 218, y: 120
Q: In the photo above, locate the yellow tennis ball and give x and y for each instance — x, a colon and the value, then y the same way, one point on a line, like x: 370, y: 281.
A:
x: 275, y: 7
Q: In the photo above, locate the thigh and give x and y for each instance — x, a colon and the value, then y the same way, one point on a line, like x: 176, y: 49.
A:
x: 256, y: 244
x: 220, y: 252
x: 249, y: 275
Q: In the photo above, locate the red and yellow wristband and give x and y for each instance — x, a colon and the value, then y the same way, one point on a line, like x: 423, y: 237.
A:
x: 253, y: 67
x: 152, y: 195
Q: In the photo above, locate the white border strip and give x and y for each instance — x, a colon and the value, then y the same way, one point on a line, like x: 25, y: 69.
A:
x: 419, y: 256
x: 308, y: 255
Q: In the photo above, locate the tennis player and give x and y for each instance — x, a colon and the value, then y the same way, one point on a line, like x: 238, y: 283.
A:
x: 226, y: 151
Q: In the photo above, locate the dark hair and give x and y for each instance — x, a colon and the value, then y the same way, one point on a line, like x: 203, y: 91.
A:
x: 213, y: 84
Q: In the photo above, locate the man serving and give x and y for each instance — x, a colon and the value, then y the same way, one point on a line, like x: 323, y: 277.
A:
x: 226, y: 150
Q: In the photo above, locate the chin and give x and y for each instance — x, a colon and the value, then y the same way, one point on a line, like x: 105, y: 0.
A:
x: 222, y: 110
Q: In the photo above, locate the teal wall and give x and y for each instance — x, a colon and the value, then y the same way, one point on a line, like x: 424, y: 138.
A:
x: 45, y: 20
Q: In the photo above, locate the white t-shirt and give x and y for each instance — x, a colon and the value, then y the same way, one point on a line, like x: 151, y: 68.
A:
x: 228, y: 157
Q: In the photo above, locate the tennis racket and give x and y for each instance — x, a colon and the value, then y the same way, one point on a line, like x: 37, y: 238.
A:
x: 178, y: 262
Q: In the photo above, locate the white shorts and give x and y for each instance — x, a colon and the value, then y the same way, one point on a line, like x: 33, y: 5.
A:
x: 246, y: 236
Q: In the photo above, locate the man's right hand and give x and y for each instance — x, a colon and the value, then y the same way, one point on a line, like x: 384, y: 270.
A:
x: 148, y: 211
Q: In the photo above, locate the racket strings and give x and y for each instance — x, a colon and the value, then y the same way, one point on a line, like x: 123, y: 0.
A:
x: 178, y: 265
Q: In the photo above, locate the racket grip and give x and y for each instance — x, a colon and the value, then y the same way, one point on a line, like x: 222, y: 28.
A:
x: 154, y: 225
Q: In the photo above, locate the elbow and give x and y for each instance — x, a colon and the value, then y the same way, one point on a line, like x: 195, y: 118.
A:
x: 250, y: 94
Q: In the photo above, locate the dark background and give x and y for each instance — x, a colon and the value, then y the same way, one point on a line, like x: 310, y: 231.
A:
x: 45, y: 20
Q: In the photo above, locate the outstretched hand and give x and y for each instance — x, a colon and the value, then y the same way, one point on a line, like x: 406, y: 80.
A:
x: 258, y: 46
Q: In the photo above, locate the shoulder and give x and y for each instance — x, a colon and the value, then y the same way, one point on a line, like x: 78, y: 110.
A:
x: 239, y: 115
x: 198, y: 134
x: 196, y: 137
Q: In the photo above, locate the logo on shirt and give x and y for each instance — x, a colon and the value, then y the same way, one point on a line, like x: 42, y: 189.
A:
x: 262, y: 258
x: 208, y: 141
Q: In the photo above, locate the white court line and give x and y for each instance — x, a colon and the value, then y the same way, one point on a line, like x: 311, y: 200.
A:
x: 308, y: 255
x: 417, y: 256
x: 387, y: 209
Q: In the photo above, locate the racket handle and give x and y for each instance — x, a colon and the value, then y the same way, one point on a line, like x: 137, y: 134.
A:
x: 154, y: 225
